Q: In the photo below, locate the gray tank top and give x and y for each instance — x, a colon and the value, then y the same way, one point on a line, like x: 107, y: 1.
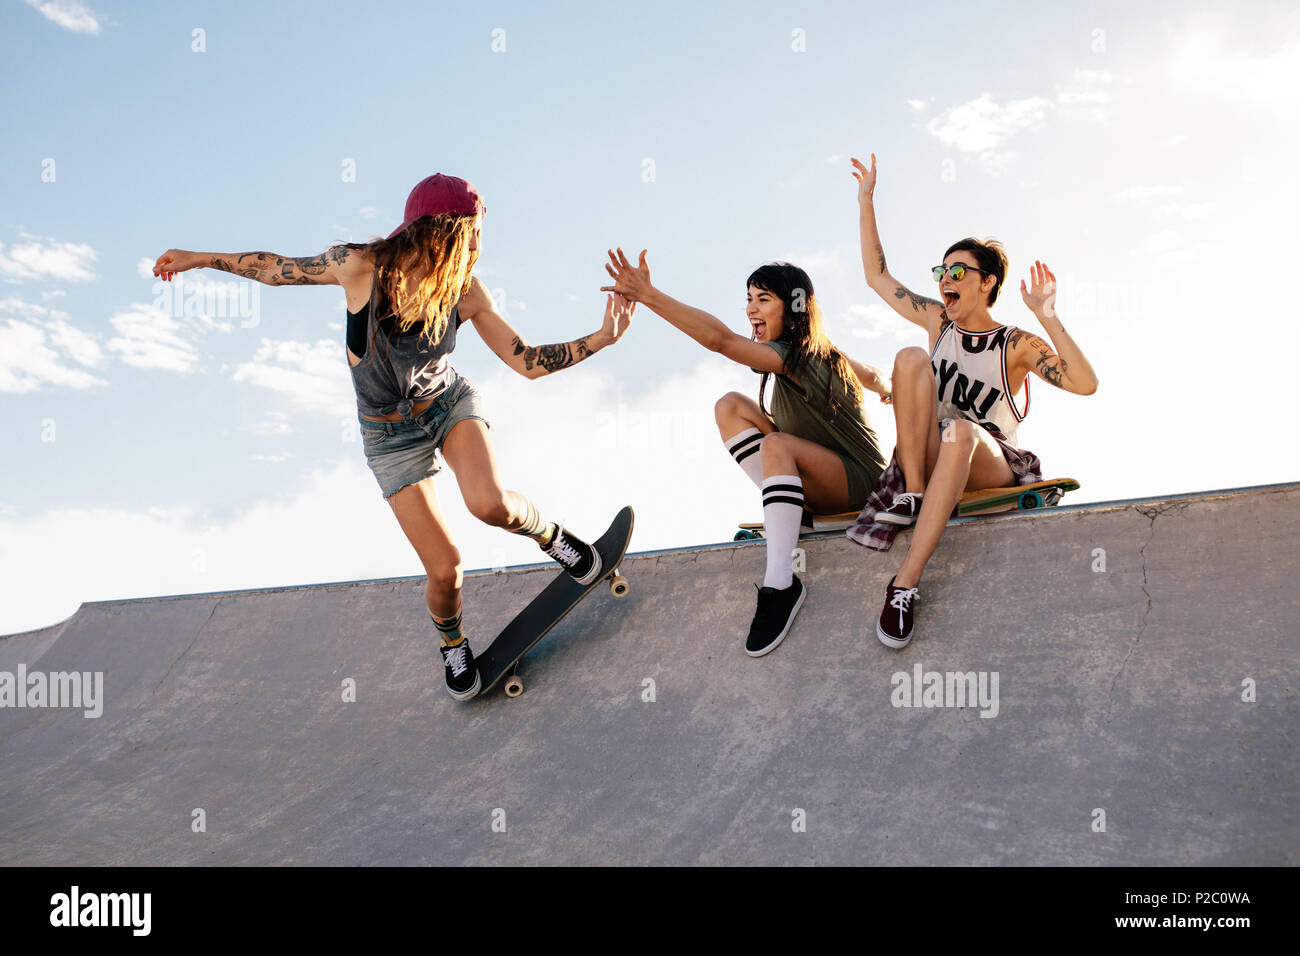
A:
x: 397, y: 369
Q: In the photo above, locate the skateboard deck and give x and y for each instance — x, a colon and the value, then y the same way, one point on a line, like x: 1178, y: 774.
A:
x: 557, y: 599
x: 1040, y: 494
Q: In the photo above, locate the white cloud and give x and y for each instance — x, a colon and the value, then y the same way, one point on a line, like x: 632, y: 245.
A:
x: 314, y: 376
x: 30, y: 357
x: 68, y: 14
x: 49, y: 260
x: 982, y: 125
x: 36, y: 349
x: 917, y: 105
x: 368, y: 212
x: 147, y: 337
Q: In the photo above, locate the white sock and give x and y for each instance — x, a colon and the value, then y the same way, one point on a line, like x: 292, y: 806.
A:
x: 782, y: 513
x: 744, y: 447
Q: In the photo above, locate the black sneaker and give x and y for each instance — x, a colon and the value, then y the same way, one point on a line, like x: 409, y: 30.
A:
x: 462, y: 673
x: 903, y: 511
x: 898, y: 617
x: 772, y: 619
x: 574, y: 555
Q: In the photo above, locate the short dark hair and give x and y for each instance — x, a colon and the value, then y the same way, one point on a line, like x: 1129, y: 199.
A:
x: 989, y: 256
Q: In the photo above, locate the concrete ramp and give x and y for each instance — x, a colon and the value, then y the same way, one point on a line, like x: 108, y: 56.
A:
x: 1146, y: 712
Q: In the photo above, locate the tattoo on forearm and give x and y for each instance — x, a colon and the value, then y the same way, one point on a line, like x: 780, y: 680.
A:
x: 552, y: 357
x: 880, y: 253
x: 275, y: 270
x: 919, y: 302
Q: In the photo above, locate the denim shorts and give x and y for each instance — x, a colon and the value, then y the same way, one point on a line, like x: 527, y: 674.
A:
x: 402, y: 453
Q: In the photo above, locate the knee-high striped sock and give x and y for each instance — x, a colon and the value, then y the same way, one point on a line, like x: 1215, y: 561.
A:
x: 782, y: 512
x: 534, y: 527
x: 449, y: 630
x: 745, y: 448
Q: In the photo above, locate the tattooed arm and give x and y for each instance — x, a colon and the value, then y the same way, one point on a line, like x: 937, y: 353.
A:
x: 336, y: 266
x: 925, y: 312
x: 1066, y: 367
x: 534, y: 361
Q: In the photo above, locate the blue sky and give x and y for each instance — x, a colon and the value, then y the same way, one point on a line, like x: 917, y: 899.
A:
x: 1142, y: 150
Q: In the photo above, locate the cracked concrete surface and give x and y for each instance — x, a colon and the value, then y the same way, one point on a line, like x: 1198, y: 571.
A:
x: 1119, y: 690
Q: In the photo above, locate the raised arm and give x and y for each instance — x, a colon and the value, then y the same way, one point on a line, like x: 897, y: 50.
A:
x: 925, y: 312
x: 534, y: 361
x: 633, y: 283
x: 1066, y: 367
x: 338, y: 265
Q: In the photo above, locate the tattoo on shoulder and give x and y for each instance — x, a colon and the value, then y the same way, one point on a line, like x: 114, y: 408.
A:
x: 919, y: 302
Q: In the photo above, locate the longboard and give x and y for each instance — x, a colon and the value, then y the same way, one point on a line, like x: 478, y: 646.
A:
x: 557, y: 599
x: 1040, y: 494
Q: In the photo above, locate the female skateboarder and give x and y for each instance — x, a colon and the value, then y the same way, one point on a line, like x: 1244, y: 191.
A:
x: 959, y: 404
x: 815, y: 447
x: 407, y: 297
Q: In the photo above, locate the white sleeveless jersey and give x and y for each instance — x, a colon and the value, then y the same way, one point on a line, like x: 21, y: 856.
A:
x: 970, y: 376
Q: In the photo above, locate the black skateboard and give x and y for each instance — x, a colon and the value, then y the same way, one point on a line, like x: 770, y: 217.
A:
x: 501, y: 659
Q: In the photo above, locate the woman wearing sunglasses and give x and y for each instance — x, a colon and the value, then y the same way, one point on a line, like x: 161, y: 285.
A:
x: 957, y: 405
x: 814, y: 449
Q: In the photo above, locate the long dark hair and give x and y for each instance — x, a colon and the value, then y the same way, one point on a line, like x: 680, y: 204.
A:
x: 802, y: 330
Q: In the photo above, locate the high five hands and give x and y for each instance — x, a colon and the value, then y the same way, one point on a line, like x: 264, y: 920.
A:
x: 618, y: 315
x: 631, y: 282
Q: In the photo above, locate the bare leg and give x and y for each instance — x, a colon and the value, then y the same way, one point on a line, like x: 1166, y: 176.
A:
x: 468, y: 450
x: 418, y: 512
x: 915, y: 418
x: 735, y: 412
x: 825, y: 484
x: 971, y: 460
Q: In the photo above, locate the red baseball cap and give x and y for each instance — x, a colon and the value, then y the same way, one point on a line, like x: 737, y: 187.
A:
x: 441, y: 195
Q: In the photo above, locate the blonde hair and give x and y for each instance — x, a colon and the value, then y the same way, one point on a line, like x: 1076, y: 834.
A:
x: 437, y: 250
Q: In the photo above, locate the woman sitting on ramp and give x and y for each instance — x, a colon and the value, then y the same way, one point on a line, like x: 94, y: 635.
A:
x: 958, y: 404
x: 407, y: 297
x: 815, y: 450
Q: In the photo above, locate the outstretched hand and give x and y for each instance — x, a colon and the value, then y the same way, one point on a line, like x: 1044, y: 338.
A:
x: 173, y: 261
x: 618, y: 315
x: 866, y: 179
x: 631, y: 282
x: 1041, y: 297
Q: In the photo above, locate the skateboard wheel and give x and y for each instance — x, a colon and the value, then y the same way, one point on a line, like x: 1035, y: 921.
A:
x: 618, y: 585
x: 746, y: 535
x: 514, y: 686
x: 1030, y: 500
